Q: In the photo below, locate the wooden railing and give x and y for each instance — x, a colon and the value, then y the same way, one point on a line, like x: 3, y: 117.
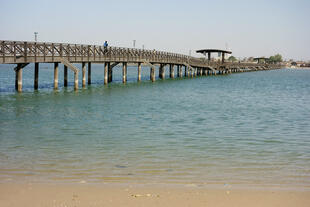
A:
x: 26, y: 52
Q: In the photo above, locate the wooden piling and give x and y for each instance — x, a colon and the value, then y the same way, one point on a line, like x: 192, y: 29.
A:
x: 139, y: 71
x: 162, y: 71
x: 55, y: 75
x: 152, y: 74
x: 181, y: 72
x: 76, y: 80
x: 83, y: 74
x: 89, y: 73
x: 171, y: 71
x: 106, y: 66
x: 110, y: 73
x: 124, y: 72
x: 19, y: 78
x: 65, y: 76
x: 36, y: 76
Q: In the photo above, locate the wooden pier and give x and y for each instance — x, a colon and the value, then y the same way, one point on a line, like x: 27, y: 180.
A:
x: 23, y: 53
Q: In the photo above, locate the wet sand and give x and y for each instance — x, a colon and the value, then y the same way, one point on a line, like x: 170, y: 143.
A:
x: 67, y: 195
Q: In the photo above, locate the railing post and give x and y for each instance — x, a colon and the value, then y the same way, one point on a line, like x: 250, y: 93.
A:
x: 94, y: 52
x: 53, y: 50
x: 60, y: 49
x: 44, y: 51
x: 68, y: 52
x: 35, y: 52
x: 88, y: 49
x: 75, y: 51
x: 25, y: 51
x: 14, y: 51
x: 82, y: 52
x: 3, y: 54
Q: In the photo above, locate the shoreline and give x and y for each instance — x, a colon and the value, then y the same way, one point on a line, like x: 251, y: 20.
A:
x: 14, y: 194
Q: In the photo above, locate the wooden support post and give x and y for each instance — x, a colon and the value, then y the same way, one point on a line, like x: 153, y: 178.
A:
x: 185, y: 72
x: 55, y: 75
x: 89, y: 73
x: 124, y: 72
x: 178, y: 71
x: 181, y: 72
x: 36, y: 76
x: 209, y: 57
x: 19, y: 78
x: 65, y: 76
x: 162, y: 71
x: 152, y: 74
x: 139, y: 71
x: 106, y: 66
x: 171, y: 71
x: 83, y: 74
x: 110, y: 73
x: 76, y: 80
x: 223, y: 57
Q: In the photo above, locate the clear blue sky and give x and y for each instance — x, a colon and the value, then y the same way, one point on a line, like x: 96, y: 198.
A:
x: 249, y: 28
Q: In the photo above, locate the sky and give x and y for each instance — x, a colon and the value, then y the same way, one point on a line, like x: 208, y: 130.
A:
x: 248, y: 28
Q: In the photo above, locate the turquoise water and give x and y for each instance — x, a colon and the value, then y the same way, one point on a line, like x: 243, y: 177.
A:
x: 246, y: 128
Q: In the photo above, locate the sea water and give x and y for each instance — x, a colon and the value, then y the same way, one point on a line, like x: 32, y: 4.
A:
x: 246, y: 128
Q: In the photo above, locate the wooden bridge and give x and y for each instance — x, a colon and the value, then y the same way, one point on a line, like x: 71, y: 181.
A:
x: 23, y: 53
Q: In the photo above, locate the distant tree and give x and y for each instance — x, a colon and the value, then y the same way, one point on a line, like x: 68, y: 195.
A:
x: 250, y: 59
x: 232, y: 59
x: 275, y: 59
x: 278, y: 58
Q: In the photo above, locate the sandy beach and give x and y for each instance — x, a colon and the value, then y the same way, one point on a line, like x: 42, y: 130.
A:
x: 67, y: 195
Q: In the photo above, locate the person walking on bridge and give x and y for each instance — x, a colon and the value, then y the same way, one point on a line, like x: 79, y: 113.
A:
x: 105, y: 46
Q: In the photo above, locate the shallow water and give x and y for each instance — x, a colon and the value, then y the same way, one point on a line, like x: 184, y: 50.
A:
x: 247, y: 128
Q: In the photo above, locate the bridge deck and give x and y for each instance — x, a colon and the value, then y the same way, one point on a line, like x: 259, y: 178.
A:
x: 23, y: 53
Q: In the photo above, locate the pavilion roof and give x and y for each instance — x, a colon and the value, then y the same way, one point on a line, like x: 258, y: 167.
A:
x: 212, y: 50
